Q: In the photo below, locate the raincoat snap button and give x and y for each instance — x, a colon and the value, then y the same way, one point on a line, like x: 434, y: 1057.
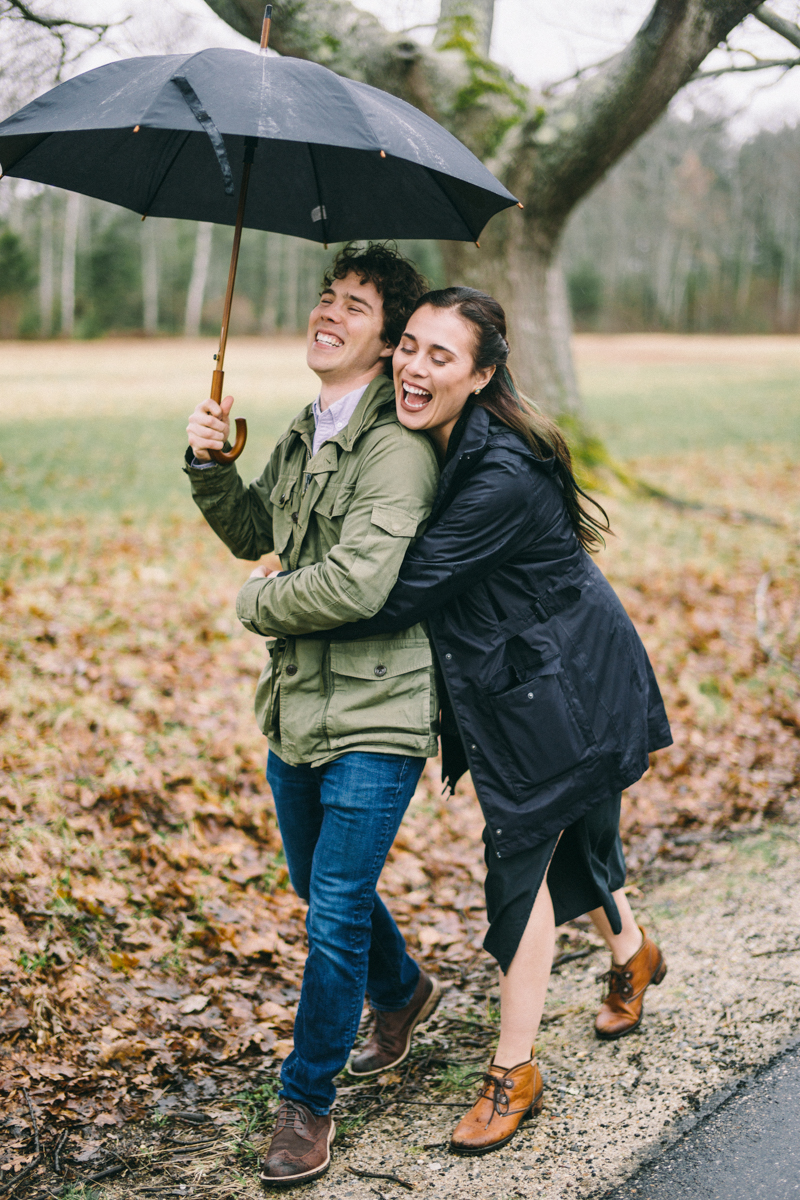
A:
x: 530, y: 695
x: 291, y: 669
x: 380, y: 671
x: 473, y: 746
x: 498, y: 831
x: 448, y: 656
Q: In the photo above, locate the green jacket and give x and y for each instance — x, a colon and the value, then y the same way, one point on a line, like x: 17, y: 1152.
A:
x: 348, y: 514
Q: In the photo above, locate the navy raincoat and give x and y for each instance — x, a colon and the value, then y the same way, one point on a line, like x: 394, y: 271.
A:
x: 550, y: 698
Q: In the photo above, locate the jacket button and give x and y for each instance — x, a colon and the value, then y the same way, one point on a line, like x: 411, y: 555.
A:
x: 295, y: 518
x: 380, y: 671
x: 291, y: 669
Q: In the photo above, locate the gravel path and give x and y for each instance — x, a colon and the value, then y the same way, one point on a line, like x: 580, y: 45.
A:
x: 730, y: 1001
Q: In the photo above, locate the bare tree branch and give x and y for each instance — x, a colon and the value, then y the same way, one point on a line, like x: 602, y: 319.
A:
x: 58, y: 27
x: 27, y: 14
x: 579, y: 138
x: 778, y: 24
x: 761, y: 64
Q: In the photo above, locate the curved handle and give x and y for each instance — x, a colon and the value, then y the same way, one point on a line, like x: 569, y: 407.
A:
x: 229, y: 456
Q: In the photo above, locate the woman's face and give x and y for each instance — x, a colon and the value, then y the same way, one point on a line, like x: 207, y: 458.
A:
x: 434, y: 372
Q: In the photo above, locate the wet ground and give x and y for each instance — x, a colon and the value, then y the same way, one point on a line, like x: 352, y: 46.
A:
x: 748, y: 1149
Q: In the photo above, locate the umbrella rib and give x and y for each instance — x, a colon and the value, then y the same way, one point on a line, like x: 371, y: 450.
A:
x: 322, y: 211
x: 454, y: 206
x: 160, y: 183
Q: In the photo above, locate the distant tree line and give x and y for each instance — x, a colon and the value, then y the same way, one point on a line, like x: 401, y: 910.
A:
x: 77, y: 267
x: 690, y: 232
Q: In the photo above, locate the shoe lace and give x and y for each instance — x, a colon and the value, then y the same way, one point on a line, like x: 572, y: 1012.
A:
x: 495, y: 1088
x: 618, y: 981
x: 290, y: 1116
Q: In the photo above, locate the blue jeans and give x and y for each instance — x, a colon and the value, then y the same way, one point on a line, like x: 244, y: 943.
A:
x: 338, y: 823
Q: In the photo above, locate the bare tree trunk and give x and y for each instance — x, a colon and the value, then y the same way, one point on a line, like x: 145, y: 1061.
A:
x: 149, y: 278
x: 46, y: 266
x: 69, y: 256
x: 523, y: 270
x: 197, y: 283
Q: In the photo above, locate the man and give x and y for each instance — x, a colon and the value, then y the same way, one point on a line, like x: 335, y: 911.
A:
x: 346, y: 491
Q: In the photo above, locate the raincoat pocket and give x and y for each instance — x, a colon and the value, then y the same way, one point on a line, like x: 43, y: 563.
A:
x: 542, y: 726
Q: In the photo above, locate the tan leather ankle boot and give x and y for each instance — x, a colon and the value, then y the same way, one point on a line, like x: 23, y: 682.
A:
x: 623, y: 1005
x: 507, y: 1097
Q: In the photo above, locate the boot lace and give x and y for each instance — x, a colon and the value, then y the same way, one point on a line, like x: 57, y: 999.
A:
x: 618, y: 981
x: 495, y: 1088
x: 290, y: 1116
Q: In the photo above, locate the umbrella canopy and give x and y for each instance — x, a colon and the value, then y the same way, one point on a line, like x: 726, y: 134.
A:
x: 245, y: 139
x: 333, y: 159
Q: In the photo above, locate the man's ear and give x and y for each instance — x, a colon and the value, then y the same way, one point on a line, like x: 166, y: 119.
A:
x: 387, y: 351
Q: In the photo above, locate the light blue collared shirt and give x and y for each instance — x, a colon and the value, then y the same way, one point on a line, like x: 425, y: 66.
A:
x: 328, y: 423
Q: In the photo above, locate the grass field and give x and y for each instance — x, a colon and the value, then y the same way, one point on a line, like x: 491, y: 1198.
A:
x: 92, y: 426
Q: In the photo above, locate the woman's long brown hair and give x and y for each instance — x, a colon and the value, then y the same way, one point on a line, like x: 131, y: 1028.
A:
x: 501, y: 398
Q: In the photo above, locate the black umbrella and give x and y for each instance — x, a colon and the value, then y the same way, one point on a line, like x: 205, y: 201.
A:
x: 307, y: 153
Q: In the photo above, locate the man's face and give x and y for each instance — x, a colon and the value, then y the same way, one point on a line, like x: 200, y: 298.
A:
x: 344, y: 331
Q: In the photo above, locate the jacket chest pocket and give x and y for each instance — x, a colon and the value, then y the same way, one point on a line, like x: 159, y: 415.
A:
x: 336, y: 497
x: 283, y: 499
x: 543, y: 729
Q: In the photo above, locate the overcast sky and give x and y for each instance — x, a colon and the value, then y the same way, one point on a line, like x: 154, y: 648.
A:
x: 540, y: 40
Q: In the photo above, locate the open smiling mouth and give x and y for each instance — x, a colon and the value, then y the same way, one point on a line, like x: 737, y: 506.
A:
x: 415, y: 398
x: 328, y: 339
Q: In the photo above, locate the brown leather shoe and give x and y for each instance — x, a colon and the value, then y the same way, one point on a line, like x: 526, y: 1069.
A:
x: 507, y: 1098
x: 622, y: 1007
x: 300, y: 1149
x: 391, y: 1038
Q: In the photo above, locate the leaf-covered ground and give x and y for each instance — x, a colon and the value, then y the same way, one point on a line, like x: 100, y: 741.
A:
x: 150, y: 946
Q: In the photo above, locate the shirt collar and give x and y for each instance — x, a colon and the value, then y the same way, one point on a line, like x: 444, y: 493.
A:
x: 341, y: 410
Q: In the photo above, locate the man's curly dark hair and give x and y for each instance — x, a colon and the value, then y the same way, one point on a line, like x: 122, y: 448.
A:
x: 396, y: 280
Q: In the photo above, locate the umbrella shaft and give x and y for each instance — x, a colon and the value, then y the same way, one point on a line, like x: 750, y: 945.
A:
x: 237, y: 238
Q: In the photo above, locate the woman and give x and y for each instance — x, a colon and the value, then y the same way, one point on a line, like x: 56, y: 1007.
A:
x: 549, y: 698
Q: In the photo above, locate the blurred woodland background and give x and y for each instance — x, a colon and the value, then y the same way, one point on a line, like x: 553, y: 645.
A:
x: 691, y: 232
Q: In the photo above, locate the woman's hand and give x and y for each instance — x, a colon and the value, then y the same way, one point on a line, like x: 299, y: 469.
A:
x: 262, y: 571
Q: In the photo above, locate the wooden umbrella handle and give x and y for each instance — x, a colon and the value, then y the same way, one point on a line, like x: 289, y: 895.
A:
x: 227, y: 456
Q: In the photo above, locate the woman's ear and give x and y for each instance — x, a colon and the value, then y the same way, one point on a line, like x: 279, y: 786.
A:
x: 482, y: 378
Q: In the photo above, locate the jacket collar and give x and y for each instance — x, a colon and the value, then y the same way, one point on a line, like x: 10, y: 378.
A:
x: 472, y: 431
x: 478, y: 431
x: 376, y: 407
